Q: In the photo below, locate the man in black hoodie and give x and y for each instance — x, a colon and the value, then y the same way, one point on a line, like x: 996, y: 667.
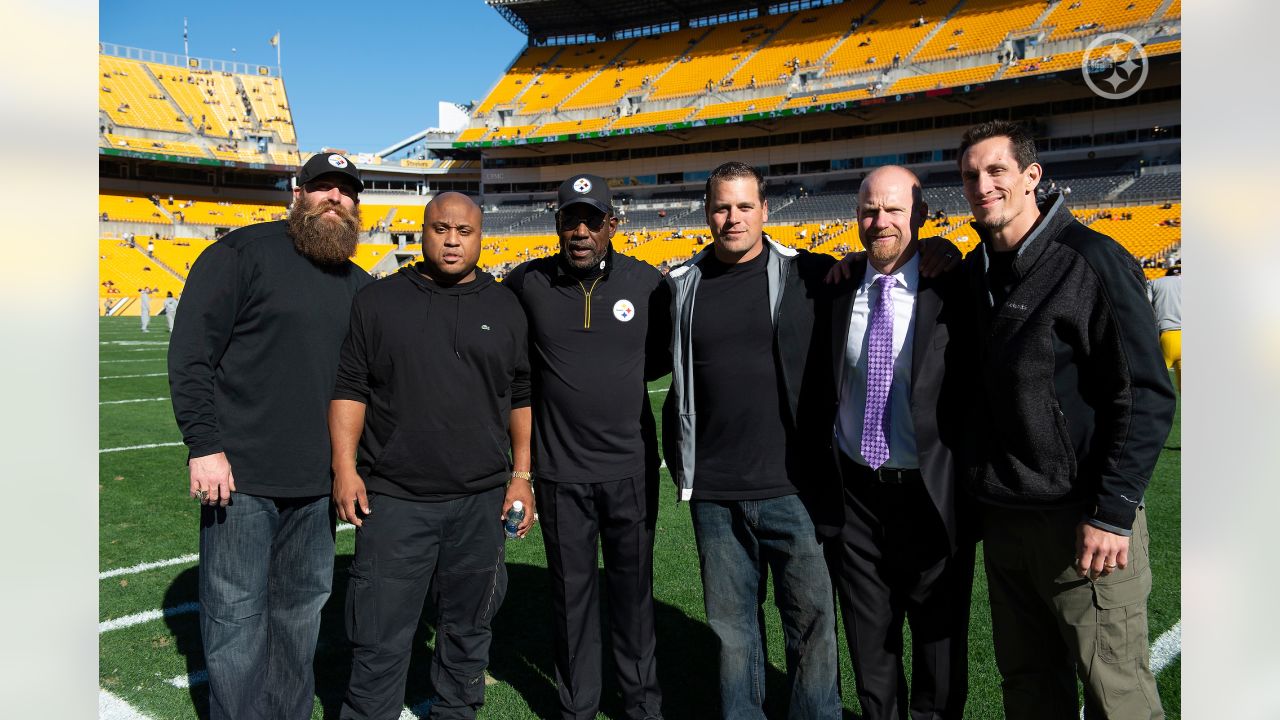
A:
x: 432, y: 392
x: 1074, y: 405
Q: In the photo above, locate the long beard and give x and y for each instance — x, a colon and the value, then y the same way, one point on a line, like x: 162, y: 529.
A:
x: 320, y: 238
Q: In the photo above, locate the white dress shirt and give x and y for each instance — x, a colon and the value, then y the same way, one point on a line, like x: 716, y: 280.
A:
x: 853, y: 391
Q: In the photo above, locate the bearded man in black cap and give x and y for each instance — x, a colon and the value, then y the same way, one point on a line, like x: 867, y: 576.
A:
x: 251, y: 371
x: 598, y: 329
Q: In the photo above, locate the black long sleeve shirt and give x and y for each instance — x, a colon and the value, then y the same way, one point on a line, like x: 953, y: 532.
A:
x: 252, y: 362
x: 439, y: 369
x: 594, y: 342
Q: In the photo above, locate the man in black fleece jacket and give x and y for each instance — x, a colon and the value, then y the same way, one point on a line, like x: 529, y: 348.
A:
x: 433, y: 390
x: 251, y: 369
x: 1074, y: 405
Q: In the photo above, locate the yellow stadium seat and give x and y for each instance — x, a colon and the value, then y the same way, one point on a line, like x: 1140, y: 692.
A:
x: 128, y: 95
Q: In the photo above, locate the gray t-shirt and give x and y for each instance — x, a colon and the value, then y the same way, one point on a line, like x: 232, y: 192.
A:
x: 1166, y: 301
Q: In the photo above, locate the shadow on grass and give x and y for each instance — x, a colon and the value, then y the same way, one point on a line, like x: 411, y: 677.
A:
x: 520, y: 657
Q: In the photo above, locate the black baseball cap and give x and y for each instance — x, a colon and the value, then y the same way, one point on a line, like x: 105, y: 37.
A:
x: 589, y: 189
x: 325, y: 163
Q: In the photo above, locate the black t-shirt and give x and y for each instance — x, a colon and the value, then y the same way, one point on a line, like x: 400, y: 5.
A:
x: 1000, y: 274
x: 742, y: 438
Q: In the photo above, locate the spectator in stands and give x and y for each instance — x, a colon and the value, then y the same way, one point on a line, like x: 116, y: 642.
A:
x: 170, y: 309
x: 752, y: 463
x: 251, y: 372
x: 1166, y: 299
x: 144, y: 306
x: 595, y: 445
x: 416, y: 414
x: 1065, y: 327
x: 901, y: 550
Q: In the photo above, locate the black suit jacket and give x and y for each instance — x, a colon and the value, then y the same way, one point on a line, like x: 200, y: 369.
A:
x: 939, y: 379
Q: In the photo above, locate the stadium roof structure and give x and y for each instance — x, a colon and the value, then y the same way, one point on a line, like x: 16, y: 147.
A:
x: 541, y: 19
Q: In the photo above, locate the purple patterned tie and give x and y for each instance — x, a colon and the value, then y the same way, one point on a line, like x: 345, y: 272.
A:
x: 875, y: 418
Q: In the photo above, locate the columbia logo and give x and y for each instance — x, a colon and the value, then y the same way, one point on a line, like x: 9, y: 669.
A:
x: 1017, y: 306
x: 484, y: 327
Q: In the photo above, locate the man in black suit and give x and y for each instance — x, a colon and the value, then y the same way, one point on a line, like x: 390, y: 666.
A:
x: 901, y: 550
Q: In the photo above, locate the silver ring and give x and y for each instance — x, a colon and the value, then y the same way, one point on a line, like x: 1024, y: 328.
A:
x: 201, y: 495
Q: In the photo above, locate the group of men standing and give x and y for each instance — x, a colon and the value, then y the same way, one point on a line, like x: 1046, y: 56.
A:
x: 851, y: 429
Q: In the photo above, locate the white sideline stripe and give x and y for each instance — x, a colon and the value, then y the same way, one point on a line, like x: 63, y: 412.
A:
x: 119, y: 402
x: 139, y: 447
x: 143, y: 567
x: 193, y: 557
x: 134, y: 342
x: 111, y: 707
x: 154, y: 359
x: 148, y: 616
x: 1166, y: 648
x: 198, y: 677
x: 121, y: 377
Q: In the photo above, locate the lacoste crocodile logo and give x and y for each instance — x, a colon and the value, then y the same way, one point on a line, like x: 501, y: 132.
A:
x: 484, y: 327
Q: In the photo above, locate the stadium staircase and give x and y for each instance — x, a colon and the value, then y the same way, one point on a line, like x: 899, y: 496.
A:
x: 555, y: 111
x: 924, y: 41
x: 763, y: 43
x: 1048, y: 10
x: 153, y: 259
x: 675, y: 62
x: 849, y: 32
x: 168, y: 96
x: 1161, y: 9
x: 1124, y: 185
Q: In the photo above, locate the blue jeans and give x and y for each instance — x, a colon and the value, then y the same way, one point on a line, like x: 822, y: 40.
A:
x: 266, y: 570
x: 739, y: 543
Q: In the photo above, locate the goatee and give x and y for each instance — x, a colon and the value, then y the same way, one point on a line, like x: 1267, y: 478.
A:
x: 324, y: 239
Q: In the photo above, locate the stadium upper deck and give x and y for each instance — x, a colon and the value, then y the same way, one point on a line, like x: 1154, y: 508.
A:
x: 825, y: 57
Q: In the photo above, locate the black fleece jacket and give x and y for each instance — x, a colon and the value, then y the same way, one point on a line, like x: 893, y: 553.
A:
x: 1074, y: 397
x: 440, y: 369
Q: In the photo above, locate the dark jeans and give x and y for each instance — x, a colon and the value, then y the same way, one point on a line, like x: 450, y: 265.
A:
x: 575, y: 517
x: 405, y: 547
x: 739, y: 543
x: 266, y: 570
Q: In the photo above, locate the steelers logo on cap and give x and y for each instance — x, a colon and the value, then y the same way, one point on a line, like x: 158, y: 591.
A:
x: 582, y: 185
x: 337, y: 161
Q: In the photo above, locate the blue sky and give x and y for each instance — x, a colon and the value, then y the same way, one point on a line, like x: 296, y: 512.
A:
x: 360, y: 75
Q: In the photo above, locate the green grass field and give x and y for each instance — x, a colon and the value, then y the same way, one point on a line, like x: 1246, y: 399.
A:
x: 145, y: 516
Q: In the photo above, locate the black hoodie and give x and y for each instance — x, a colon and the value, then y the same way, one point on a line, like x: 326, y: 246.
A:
x: 440, y: 369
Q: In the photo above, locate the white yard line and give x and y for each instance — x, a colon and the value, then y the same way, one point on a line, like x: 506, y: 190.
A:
x: 181, y: 560
x: 135, y: 360
x: 143, y: 567
x: 133, y: 342
x: 148, y: 616
x: 659, y: 390
x: 1166, y: 648
x: 121, y: 377
x: 138, y: 447
x: 135, y: 400
x: 198, y: 677
x: 111, y: 707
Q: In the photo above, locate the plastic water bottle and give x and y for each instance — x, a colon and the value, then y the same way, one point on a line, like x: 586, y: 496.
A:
x: 514, y: 516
